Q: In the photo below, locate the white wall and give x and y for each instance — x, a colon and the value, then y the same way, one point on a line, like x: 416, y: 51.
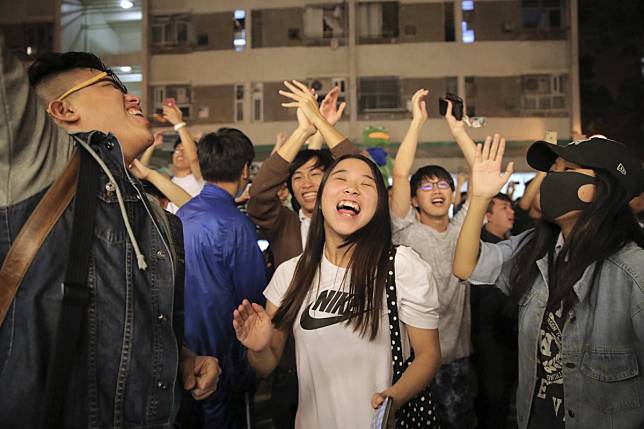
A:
x: 404, y: 60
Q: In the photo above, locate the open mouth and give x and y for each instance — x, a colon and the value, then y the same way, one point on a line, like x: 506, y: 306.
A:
x: 309, y: 196
x: 438, y: 201
x: 348, y: 208
x: 138, y: 113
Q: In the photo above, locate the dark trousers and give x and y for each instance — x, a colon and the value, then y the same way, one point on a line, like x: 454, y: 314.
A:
x: 495, y: 358
x: 284, y: 397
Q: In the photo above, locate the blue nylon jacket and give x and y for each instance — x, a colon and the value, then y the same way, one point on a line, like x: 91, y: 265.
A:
x: 224, y: 265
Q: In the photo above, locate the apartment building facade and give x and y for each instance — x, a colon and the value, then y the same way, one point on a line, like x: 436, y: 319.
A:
x: 513, y: 61
x: 510, y: 60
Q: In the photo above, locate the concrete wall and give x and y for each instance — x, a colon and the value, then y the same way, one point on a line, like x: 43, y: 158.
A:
x: 217, y: 27
x: 426, y: 19
x: 428, y: 59
x: 216, y: 100
x: 271, y: 27
x: 502, y: 20
x: 20, y: 11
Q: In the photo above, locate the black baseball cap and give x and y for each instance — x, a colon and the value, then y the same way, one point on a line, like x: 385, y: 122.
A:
x: 612, y: 156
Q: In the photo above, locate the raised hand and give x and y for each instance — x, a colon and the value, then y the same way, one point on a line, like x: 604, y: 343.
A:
x: 486, y: 178
x: 452, y: 123
x: 158, y: 139
x: 419, y: 106
x: 253, y: 326
x: 329, y: 106
x: 303, y: 99
x: 139, y: 170
x: 172, y: 114
x: 304, y: 124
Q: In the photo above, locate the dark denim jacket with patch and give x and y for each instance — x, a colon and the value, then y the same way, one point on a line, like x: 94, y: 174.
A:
x: 127, y: 370
x: 602, y: 339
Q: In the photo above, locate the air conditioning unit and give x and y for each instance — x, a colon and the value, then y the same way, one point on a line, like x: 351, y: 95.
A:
x: 507, y: 26
x: 536, y: 84
x: 322, y: 86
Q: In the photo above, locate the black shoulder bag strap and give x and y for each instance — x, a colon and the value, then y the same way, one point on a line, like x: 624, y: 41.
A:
x: 75, y: 294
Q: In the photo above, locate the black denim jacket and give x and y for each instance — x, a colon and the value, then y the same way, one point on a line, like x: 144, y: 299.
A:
x: 126, y: 373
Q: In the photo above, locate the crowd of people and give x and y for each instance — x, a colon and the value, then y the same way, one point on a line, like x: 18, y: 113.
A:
x: 456, y: 309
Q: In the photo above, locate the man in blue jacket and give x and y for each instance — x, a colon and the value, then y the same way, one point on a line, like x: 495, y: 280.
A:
x: 224, y: 265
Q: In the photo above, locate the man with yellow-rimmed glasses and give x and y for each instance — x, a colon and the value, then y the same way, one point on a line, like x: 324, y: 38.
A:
x: 127, y: 365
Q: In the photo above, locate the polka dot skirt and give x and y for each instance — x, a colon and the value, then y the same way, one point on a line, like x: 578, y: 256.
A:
x: 420, y: 411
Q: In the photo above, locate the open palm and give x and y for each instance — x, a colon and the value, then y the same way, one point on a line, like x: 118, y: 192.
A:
x: 253, y: 326
x: 487, y: 179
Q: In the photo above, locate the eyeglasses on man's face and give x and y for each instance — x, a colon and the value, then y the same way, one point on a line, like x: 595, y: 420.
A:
x: 107, y: 75
x: 441, y: 184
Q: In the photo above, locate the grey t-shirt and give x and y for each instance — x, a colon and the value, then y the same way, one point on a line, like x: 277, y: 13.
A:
x: 437, y: 249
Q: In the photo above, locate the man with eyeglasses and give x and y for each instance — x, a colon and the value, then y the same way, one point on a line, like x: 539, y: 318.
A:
x: 420, y: 219
x: 129, y: 365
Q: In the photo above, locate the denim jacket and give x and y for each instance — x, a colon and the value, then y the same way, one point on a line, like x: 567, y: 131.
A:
x: 602, y: 339
x: 126, y: 370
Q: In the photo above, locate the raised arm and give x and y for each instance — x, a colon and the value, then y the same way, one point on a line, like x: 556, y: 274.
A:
x: 147, y: 155
x: 463, y: 140
x: 254, y: 329
x: 531, y: 191
x: 33, y: 150
x: 172, y: 191
x: 306, y: 102
x: 174, y: 115
x: 264, y: 206
x: 400, y: 189
x: 486, y: 182
x: 332, y: 112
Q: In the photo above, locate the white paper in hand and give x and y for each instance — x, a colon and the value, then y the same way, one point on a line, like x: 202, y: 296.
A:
x: 381, y: 415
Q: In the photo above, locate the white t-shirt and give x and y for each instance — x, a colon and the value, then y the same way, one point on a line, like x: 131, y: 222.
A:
x: 305, y: 224
x: 338, y: 370
x: 188, y: 183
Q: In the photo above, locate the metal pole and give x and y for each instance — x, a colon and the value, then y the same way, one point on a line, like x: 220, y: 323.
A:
x: 575, y: 104
x: 353, y: 72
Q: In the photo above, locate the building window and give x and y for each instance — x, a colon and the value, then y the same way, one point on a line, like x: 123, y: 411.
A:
x: 378, y: 20
x: 542, y: 94
x: 448, y: 15
x: 258, y: 102
x: 470, y: 95
x: 542, y: 14
x: 182, y: 95
x: 468, y: 33
x: 239, y: 33
x: 324, y: 22
x: 239, y: 102
x: 170, y: 30
x: 379, y: 94
x: 452, y: 84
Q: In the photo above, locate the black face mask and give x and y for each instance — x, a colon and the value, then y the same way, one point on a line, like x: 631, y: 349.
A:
x: 559, y: 193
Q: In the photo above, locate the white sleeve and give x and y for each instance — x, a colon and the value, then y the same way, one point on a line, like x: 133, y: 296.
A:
x: 416, y: 290
x: 280, y: 282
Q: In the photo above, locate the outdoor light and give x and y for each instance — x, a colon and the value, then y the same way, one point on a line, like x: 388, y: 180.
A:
x: 126, y: 4
x: 126, y: 69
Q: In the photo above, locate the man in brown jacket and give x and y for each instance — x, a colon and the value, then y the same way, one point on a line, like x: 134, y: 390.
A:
x: 285, y: 229
x: 302, y: 170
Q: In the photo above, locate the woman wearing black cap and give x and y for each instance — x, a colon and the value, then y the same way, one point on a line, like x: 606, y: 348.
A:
x: 578, y: 279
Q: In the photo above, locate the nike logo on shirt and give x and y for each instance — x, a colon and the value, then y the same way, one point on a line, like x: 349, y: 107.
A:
x: 328, y: 301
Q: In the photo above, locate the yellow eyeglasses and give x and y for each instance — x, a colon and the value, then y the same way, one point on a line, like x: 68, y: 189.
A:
x: 109, y: 74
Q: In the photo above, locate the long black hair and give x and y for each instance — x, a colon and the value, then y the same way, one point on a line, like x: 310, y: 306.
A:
x: 601, y: 230
x: 371, y: 245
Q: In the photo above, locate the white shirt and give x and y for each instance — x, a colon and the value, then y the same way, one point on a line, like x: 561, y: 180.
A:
x: 338, y: 370
x: 188, y: 183
x: 305, y: 224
